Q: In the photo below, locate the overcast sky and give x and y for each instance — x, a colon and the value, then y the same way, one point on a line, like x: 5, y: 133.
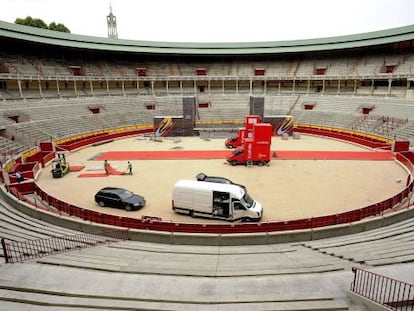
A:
x: 217, y: 20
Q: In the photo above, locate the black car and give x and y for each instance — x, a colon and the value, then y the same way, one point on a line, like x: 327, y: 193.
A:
x: 119, y: 198
x: 220, y: 180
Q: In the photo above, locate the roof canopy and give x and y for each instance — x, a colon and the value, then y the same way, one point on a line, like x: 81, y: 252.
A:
x: 48, y: 37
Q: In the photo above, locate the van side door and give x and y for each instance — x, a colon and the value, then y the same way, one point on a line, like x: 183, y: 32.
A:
x: 239, y: 211
x: 221, y: 204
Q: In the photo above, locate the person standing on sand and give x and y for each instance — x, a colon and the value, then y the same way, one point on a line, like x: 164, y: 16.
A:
x: 129, y: 168
x: 106, y: 164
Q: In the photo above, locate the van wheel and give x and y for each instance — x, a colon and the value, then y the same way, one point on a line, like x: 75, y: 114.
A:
x: 101, y: 204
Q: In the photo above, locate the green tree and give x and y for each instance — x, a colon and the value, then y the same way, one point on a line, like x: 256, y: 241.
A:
x: 37, y: 22
x: 58, y: 27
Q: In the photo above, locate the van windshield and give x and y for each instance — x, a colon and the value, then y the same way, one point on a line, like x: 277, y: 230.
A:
x: 247, y: 201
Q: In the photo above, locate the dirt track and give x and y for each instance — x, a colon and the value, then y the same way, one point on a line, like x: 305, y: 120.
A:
x: 287, y: 189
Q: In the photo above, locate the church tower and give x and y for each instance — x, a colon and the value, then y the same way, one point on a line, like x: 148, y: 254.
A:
x: 111, y: 21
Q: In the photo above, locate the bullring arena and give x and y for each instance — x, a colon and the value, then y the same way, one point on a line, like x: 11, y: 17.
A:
x: 337, y: 230
x: 288, y: 188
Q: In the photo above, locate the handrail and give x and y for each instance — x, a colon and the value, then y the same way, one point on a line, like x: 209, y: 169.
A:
x: 38, y: 77
x: 18, y: 251
x: 388, y: 292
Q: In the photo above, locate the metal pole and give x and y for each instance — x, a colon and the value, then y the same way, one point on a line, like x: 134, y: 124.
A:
x: 3, y: 244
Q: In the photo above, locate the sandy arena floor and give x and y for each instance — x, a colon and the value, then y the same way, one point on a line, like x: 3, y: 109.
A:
x: 288, y: 189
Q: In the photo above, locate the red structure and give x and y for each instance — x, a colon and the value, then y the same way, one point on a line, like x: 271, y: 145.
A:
x: 236, y: 140
x: 401, y: 146
x: 255, y: 149
x: 281, y: 124
x: 247, y: 131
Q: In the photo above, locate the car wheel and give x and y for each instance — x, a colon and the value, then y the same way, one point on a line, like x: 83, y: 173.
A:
x: 128, y: 207
x: 233, y: 162
x: 101, y: 204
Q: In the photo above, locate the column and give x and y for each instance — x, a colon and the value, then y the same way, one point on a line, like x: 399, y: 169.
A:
x: 40, y: 88
x: 75, y: 87
x: 338, y: 91
x: 57, y: 87
x: 91, y: 86
x: 389, y: 87
x: 19, y: 84
x: 152, y: 88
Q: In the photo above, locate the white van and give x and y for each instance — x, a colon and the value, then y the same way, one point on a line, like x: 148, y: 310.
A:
x: 215, y: 200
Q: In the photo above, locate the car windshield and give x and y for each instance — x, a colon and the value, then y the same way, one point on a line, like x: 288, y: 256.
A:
x: 125, y: 194
x: 247, y: 201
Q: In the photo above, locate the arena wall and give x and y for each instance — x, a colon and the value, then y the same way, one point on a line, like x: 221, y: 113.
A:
x: 379, y: 214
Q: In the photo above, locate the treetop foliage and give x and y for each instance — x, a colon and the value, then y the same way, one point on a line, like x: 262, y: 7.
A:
x: 37, y: 22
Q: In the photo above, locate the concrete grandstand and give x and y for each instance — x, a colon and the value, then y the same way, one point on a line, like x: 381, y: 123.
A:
x: 61, y: 89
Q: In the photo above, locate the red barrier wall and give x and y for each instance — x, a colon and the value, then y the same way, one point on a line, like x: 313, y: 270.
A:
x: 46, y: 147
x: 47, y: 158
x: 24, y: 187
x: 355, y: 138
x: 37, y: 157
x: 98, y: 138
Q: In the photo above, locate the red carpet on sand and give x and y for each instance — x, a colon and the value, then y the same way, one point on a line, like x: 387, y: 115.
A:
x: 93, y: 175
x: 114, y: 171
x: 76, y: 168
x: 222, y: 154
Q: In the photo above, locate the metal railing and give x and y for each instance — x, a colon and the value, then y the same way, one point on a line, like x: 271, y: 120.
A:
x: 391, y: 293
x: 30, y: 249
x: 212, y: 77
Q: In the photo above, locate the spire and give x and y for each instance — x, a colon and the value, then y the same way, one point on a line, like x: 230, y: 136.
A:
x: 111, y: 21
